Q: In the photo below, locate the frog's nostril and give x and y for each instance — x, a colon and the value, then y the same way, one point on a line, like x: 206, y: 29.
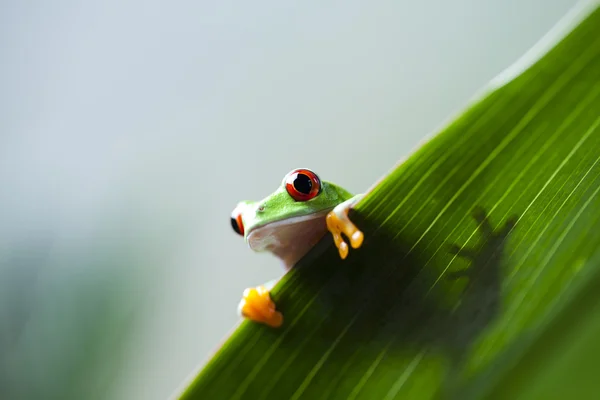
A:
x: 237, y: 225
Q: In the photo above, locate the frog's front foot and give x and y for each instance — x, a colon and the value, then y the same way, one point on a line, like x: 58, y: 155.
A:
x: 338, y: 223
x: 493, y: 242
x: 257, y: 305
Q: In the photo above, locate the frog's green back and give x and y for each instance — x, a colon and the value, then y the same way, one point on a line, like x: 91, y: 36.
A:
x: 342, y: 193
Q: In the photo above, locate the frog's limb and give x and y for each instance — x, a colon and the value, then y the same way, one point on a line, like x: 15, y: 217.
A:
x: 462, y: 252
x: 256, y: 305
x: 485, y: 227
x: 508, y: 226
x: 492, y: 240
x: 338, y: 223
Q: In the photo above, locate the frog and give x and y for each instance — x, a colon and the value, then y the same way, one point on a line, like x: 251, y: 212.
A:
x: 288, y: 223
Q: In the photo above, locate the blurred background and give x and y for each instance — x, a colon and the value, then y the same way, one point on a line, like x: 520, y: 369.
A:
x: 130, y: 129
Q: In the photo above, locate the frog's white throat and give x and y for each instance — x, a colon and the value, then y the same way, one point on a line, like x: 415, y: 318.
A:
x: 290, y: 239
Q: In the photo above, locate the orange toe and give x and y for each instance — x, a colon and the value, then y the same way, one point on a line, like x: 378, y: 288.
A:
x: 338, y: 223
x: 257, y: 305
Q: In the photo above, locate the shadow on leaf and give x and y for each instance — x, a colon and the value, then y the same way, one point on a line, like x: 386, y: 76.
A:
x: 392, y: 310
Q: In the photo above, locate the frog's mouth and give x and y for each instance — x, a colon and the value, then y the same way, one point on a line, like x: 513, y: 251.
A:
x: 290, y: 239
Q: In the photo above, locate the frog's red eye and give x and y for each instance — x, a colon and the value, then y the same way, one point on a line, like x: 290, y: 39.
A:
x: 302, y: 184
x: 236, y: 222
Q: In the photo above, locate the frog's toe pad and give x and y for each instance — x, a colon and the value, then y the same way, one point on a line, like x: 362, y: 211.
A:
x: 338, y: 223
x: 256, y: 305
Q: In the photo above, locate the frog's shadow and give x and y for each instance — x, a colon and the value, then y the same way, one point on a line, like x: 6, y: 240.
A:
x: 396, y: 304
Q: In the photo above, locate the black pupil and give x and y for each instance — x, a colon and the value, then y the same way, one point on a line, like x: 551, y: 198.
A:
x: 235, y: 226
x: 303, y: 184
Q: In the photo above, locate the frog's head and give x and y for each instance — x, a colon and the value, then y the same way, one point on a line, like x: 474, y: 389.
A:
x: 292, y: 219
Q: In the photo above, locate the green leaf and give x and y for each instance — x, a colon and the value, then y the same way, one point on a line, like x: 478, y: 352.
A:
x: 557, y: 360
x: 513, y: 186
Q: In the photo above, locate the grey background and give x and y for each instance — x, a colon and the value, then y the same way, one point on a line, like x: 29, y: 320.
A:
x: 130, y: 129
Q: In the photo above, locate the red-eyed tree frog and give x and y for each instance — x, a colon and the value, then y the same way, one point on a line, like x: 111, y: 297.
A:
x: 288, y: 223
